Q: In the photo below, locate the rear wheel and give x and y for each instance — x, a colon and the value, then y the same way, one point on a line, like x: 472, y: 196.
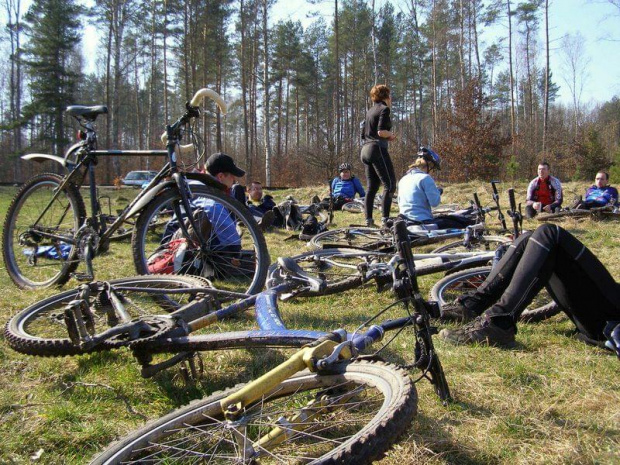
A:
x: 341, y: 269
x: 483, y: 243
x: 33, y: 248
x: 353, y: 237
x: 235, y: 257
x: 452, y: 286
x: 44, y: 329
x: 350, y: 415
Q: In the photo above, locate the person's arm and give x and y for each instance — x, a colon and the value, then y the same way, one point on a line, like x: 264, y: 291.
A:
x: 432, y: 193
x: 559, y: 196
x: 529, y: 197
x: 358, y: 187
x: 613, y: 196
x: 333, y: 186
x: 384, y: 125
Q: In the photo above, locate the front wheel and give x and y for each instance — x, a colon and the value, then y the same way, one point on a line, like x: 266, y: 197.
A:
x: 39, y: 232
x: 234, y: 257
x: 452, y: 286
x: 353, y: 237
x: 350, y: 415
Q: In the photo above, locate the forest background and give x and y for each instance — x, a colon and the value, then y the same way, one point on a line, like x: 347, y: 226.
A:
x: 486, y: 102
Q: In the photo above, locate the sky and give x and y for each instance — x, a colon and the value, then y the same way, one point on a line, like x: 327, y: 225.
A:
x: 596, y: 20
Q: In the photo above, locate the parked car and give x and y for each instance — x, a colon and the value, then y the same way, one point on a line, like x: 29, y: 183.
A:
x: 138, y: 178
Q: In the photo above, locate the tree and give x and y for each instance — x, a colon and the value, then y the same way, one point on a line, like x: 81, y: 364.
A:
x: 575, y: 64
x: 53, y: 27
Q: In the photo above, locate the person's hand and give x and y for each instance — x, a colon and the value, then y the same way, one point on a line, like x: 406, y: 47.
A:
x: 547, y: 208
x: 440, y: 189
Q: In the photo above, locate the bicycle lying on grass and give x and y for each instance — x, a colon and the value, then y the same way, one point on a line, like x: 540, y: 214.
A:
x: 326, y: 403
x: 47, y: 231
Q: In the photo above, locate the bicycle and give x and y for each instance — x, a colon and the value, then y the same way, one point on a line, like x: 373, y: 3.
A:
x: 47, y: 231
x: 343, y: 408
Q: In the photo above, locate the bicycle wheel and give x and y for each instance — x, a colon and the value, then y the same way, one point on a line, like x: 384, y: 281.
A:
x: 450, y: 287
x: 353, y: 237
x: 350, y: 415
x: 485, y: 243
x: 33, y: 258
x: 42, y: 328
x: 235, y: 257
x: 573, y: 213
x: 353, y: 207
x: 341, y: 269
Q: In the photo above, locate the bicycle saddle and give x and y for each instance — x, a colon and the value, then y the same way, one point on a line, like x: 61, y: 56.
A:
x: 289, y: 265
x: 89, y: 113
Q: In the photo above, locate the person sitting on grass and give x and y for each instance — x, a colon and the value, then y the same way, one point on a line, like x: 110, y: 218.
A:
x: 544, y: 193
x: 418, y: 194
x: 549, y: 257
x: 600, y: 194
x: 343, y: 188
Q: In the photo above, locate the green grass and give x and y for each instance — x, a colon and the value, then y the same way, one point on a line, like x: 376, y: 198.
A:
x: 550, y: 400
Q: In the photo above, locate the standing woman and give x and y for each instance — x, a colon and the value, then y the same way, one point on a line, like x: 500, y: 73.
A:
x: 376, y: 133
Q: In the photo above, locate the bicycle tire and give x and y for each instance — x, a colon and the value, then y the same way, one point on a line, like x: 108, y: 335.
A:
x: 341, y: 269
x: 451, y: 286
x: 41, y: 329
x: 361, y: 238
x: 245, y: 272
x: 359, y: 430
x: 25, y: 268
x: 353, y: 207
x: 574, y: 213
x: 483, y: 243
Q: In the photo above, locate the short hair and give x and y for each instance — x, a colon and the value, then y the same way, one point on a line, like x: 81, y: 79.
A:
x: 379, y: 93
x: 605, y: 173
x: 545, y: 164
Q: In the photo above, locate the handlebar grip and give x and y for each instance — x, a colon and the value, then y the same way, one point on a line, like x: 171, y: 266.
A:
x: 202, y: 93
x: 511, y: 197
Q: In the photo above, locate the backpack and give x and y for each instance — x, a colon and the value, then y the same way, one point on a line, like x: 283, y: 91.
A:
x: 310, y: 227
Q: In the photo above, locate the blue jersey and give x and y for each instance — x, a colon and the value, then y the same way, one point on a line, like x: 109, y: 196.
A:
x: 602, y: 195
x: 347, y: 188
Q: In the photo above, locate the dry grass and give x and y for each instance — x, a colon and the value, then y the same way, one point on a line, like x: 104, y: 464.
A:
x: 550, y: 400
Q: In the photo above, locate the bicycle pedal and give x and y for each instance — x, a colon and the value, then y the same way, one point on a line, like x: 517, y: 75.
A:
x: 83, y: 277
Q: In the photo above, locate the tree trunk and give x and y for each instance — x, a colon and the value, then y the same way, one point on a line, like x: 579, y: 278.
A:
x: 266, y: 131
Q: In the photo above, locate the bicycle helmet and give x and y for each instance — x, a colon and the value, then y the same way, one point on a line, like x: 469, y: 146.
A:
x: 344, y: 166
x: 430, y: 157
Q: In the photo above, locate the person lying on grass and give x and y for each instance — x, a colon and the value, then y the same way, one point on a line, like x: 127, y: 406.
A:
x: 549, y: 257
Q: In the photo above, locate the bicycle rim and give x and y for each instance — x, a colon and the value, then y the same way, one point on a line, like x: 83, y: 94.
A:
x: 354, y: 237
x: 349, y: 416
x: 41, y: 329
x: 454, y: 285
x: 484, y: 243
x: 341, y: 269
x: 235, y: 257
x: 32, y: 258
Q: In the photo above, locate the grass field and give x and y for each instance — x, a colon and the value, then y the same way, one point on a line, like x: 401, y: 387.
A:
x: 550, y: 400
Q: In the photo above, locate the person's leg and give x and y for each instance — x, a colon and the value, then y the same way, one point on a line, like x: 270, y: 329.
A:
x: 369, y: 152
x: 452, y: 221
x: 385, y: 171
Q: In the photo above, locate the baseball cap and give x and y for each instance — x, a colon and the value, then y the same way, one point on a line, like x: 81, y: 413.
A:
x: 221, y: 163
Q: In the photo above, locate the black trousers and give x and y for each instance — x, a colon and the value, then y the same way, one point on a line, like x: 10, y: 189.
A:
x: 379, y: 170
x: 550, y: 257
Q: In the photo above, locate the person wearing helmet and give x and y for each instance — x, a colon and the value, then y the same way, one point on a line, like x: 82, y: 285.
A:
x: 549, y: 257
x: 343, y: 188
x: 376, y: 133
x: 418, y: 193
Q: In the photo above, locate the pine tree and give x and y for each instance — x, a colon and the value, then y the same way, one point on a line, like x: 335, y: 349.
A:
x: 53, y: 27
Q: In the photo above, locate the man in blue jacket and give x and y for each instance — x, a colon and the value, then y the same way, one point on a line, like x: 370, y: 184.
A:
x: 600, y: 194
x: 344, y: 187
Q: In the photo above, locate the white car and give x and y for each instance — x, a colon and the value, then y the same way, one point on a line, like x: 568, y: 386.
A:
x: 138, y: 178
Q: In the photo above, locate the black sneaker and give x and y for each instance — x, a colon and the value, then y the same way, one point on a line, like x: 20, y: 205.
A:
x: 481, y: 331
x: 456, y: 311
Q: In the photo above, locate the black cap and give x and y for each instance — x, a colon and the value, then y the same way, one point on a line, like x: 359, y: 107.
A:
x: 222, y: 163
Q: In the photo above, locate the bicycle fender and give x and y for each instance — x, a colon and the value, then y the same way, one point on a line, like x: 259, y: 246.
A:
x: 41, y: 157
x: 150, y: 195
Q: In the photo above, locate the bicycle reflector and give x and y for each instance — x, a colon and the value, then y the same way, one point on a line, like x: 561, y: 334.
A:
x: 81, y: 135
x: 612, y: 333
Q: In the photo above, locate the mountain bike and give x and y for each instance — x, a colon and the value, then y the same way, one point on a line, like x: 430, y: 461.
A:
x: 328, y: 402
x: 47, y: 230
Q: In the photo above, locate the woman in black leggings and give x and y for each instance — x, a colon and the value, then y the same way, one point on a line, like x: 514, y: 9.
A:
x: 549, y: 257
x: 376, y: 133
